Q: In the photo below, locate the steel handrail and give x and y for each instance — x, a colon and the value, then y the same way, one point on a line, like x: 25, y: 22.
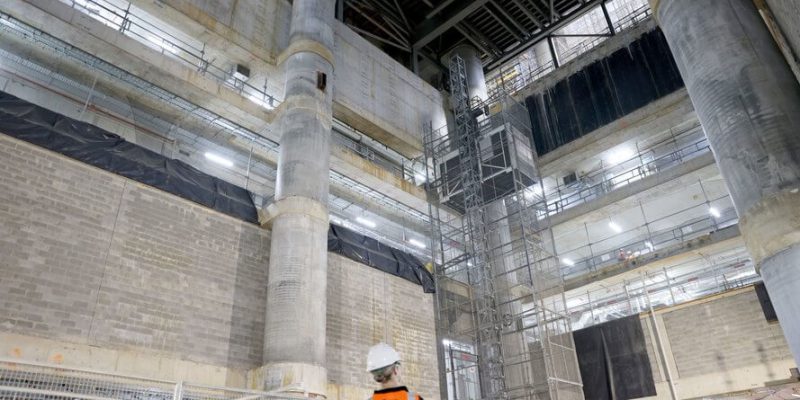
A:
x: 131, y: 22
x: 525, y: 76
x: 651, y: 240
x: 607, y: 184
x: 125, y: 20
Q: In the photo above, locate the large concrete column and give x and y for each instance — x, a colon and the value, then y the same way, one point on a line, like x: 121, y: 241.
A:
x: 516, y: 354
x: 294, y: 335
x: 476, y: 80
x: 749, y: 105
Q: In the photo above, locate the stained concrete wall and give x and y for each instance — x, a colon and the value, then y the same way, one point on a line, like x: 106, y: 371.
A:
x: 720, y: 344
x: 264, y: 24
x: 102, y: 272
x: 372, y: 92
x: 377, y: 95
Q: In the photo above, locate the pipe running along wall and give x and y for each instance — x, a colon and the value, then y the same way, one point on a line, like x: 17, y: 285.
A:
x: 294, y: 336
x: 748, y: 102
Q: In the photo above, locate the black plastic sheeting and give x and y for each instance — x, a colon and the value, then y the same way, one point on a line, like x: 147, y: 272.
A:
x: 371, y: 252
x: 766, y: 303
x: 103, y: 149
x: 603, y: 92
x: 100, y: 148
x: 613, y: 360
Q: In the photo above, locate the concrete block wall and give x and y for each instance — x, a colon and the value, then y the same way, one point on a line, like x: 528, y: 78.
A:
x: 94, y: 258
x: 730, y: 333
x: 367, y: 306
x: 717, y: 345
x: 101, y: 272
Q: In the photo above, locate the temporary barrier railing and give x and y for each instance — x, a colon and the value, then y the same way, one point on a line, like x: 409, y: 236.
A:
x: 29, y: 380
x: 665, y: 287
x: 132, y: 22
x: 641, y: 240
x: 596, y: 184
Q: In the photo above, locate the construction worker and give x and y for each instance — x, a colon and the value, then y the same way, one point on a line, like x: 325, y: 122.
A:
x: 383, y: 362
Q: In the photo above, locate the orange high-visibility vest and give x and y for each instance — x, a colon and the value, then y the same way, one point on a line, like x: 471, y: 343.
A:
x: 400, y: 394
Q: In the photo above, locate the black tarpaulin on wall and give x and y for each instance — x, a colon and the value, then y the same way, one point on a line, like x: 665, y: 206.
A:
x: 371, y: 252
x: 766, y: 303
x: 613, y: 360
x: 603, y: 91
x: 103, y: 149
x: 100, y: 148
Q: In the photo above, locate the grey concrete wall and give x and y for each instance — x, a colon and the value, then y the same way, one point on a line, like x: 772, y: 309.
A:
x: 379, y: 96
x: 102, y: 272
x: 265, y: 24
x: 372, y: 92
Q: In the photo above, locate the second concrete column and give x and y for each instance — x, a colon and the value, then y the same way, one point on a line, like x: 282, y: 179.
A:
x: 294, y: 335
x: 748, y: 102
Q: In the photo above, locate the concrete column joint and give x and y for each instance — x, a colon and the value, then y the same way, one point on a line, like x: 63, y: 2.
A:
x: 772, y: 225
x: 309, y: 46
x: 291, y: 378
x: 293, y: 205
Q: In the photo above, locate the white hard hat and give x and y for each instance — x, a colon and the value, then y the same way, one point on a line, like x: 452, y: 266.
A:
x: 381, y: 355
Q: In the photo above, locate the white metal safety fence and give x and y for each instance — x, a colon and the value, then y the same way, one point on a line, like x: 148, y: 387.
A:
x: 28, y: 380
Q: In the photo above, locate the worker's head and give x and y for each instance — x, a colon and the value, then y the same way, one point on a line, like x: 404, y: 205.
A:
x: 383, y: 363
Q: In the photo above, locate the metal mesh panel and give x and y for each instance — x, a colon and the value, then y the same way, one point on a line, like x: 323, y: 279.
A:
x: 20, y: 380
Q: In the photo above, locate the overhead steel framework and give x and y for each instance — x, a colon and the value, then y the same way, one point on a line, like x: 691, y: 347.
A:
x: 501, y: 312
x: 501, y: 29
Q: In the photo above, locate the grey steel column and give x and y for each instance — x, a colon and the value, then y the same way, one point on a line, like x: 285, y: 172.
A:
x: 294, y: 335
x: 749, y: 105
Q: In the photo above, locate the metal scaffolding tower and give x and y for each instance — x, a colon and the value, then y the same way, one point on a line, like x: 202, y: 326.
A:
x: 501, y: 311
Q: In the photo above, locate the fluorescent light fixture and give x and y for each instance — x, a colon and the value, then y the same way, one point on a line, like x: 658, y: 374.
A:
x: 164, y: 45
x: 567, y: 261
x: 219, y: 159
x: 533, y: 191
x: 366, y: 222
x: 620, y: 155
x: 260, y: 101
x: 714, y: 212
x: 615, y: 227
x: 417, y: 243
